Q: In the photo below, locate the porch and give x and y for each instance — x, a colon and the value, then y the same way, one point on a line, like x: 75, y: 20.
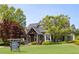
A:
x: 34, y: 36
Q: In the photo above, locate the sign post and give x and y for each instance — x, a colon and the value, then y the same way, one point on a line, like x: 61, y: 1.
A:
x: 15, y: 44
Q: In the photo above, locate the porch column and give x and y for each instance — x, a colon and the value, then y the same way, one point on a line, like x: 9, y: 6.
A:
x: 73, y: 36
x: 26, y: 40
x: 45, y: 37
x: 65, y: 37
x: 34, y: 38
x: 37, y: 38
x: 50, y: 38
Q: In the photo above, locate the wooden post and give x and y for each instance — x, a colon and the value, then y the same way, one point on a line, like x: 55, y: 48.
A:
x: 66, y: 38
x: 73, y: 36
x: 34, y: 38
x: 45, y: 37
x: 26, y: 41
x: 37, y: 38
x: 50, y: 38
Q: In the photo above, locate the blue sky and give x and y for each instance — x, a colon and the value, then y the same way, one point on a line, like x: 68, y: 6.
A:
x: 35, y: 12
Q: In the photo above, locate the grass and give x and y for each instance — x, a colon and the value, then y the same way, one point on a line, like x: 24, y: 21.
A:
x: 44, y: 49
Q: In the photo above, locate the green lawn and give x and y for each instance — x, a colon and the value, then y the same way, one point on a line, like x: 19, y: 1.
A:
x: 44, y: 49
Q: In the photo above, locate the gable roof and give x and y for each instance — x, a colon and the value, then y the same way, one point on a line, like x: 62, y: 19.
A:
x: 36, y: 27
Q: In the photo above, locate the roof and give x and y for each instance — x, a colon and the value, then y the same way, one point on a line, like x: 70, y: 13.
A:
x: 36, y: 27
x: 32, y: 25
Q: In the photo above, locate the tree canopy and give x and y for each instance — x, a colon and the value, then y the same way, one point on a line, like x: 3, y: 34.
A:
x: 12, y: 14
x: 12, y: 23
x: 56, y: 25
x: 77, y: 32
x: 11, y: 30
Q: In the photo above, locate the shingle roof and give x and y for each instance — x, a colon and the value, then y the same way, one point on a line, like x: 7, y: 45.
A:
x: 36, y: 27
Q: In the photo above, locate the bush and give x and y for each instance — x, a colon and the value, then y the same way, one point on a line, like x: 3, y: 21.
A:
x: 1, y: 43
x: 47, y: 43
x: 33, y: 43
x: 4, y: 43
x: 76, y: 42
x: 72, y: 41
x: 63, y: 42
x: 23, y: 43
x: 77, y: 38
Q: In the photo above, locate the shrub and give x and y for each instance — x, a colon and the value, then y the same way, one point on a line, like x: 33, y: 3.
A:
x: 76, y: 42
x: 77, y: 38
x: 47, y: 43
x: 5, y: 43
x: 23, y: 43
x: 63, y: 42
x: 1, y: 43
x: 33, y: 43
x: 72, y: 41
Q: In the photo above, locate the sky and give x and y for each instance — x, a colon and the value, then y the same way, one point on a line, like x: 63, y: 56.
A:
x: 36, y: 12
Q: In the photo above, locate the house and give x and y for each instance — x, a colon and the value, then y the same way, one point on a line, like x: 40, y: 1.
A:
x: 36, y: 33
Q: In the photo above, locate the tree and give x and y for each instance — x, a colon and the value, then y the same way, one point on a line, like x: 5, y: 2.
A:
x: 73, y: 28
x: 12, y: 23
x: 12, y: 14
x: 57, y: 26
x: 77, y: 32
x: 11, y: 30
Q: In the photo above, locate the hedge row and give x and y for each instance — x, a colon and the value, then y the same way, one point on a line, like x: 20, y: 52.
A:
x: 47, y: 43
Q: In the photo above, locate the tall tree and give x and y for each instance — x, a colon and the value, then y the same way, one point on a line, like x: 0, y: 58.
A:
x: 12, y: 22
x: 12, y: 14
x: 11, y: 30
x: 77, y: 32
x: 73, y: 28
x: 57, y: 26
